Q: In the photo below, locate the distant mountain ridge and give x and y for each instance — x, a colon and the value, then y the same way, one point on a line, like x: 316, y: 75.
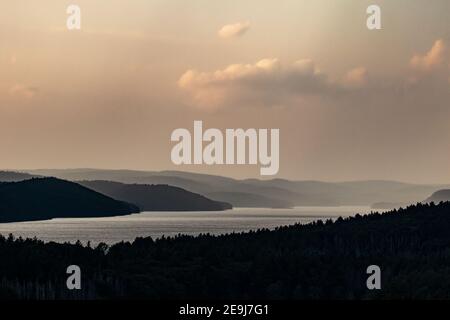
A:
x: 156, y: 197
x: 264, y: 193
x: 13, y: 176
x: 48, y: 198
x: 439, y: 196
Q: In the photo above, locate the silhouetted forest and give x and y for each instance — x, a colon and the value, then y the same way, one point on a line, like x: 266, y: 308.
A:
x: 47, y: 198
x: 156, y: 197
x: 322, y: 260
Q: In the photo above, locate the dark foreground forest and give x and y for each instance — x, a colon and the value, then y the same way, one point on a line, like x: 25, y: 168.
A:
x: 316, y: 261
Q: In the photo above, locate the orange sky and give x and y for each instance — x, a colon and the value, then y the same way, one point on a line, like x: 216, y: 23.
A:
x: 350, y: 103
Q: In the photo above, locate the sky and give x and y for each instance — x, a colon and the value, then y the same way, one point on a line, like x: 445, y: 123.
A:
x: 350, y: 103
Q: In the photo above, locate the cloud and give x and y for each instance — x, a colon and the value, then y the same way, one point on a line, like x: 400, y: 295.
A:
x: 193, y: 78
x: 357, y: 77
x: 234, y: 30
x: 209, y: 90
x: 266, y: 82
x: 434, y: 58
x: 431, y: 71
x: 20, y: 90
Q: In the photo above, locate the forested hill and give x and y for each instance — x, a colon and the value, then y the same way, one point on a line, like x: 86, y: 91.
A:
x: 438, y: 196
x: 316, y: 261
x: 47, y: 198
x: 156, y: 197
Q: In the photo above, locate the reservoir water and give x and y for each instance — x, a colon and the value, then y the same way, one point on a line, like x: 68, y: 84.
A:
x: 156, y: 224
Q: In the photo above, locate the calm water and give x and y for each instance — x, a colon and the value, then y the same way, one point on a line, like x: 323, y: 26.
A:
x: 156, y: 224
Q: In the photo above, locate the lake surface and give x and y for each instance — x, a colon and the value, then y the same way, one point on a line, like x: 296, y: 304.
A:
x: 155, y: 224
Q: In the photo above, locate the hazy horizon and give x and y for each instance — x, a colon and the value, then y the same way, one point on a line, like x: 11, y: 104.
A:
x: 262, y: 178
x: 351, y: 104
